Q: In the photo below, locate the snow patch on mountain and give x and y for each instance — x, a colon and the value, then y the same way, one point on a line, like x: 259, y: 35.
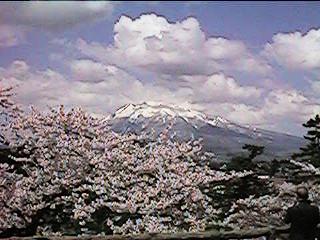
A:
x: 146, y: 110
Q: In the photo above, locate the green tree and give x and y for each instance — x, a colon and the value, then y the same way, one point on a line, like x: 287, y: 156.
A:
x: 239, y: 163
x: 311, y: 152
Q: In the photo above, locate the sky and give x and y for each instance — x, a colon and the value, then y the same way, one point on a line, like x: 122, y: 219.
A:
x: 253, y: 63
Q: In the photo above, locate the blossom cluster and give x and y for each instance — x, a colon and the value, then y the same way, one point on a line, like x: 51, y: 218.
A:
x: 268, y: 210
x: 71, y: 166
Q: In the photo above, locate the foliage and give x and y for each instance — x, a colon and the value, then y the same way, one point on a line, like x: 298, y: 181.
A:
x: 311, y: 152
x: 239, y: 163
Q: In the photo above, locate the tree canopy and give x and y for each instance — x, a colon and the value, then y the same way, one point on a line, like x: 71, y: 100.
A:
x: 241, y: 162
x: 311, y: 152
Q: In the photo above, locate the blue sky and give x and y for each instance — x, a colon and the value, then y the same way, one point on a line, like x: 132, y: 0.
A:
x: 255, y: 63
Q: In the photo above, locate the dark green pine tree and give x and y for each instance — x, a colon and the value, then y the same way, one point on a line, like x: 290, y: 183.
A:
x: 240, y: 163
x: 311, y: 152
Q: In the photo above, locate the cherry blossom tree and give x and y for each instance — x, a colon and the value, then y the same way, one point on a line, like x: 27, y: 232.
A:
x: 66, y: 172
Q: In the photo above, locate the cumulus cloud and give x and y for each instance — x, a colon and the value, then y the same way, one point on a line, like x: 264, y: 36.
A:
x: 115, y: 87
x: 279, y: 106
x: 151, y: 42
x: 10, y: 35
x: 101, y: 89
x: 51, y: 15
x: 280, y: 110
x: 96, y: 87
x: 289, y: 103
x: 315, y: 86
x: 295, y: 50
x: 34, y: 87
x: 242, y: 113
x: 187, y: 68
x: 220, y: 88
x: 89, y: 71
x: 50, y: 88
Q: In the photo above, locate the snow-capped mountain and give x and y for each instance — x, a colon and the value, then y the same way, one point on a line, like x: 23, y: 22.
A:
x: 220, y: 136
x: 135, y: 111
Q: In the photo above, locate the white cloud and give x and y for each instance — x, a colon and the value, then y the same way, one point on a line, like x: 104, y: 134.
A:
x: 89, y: 71
x: 220, y: 88
x: 189, y: 68
x: 280, y: 110
x: 151, y: 42
x: 52, y: 15
x: 10, y: 35
x: 56, y: 57
x: 96, y: 87
x: 290, y: 103
x: 115, y: 87
x: 101, y: 88
x: 34, y: 87
x: 295, y: 50
x: 286, y: 106
x: 238, y: 113
x: 315, y: 86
